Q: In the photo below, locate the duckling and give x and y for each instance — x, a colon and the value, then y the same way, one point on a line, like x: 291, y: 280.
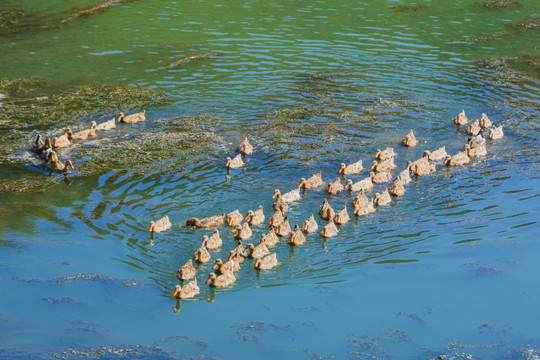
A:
x: 242, y: 232
x: 255, y: 217
x: 397, y: 189
x: 63, y: 140
x: 245, y: 147
x: 439, y: 154
x: 485, y: 122
x: 297, y: 237
x: 222, y: 280
x: 360, y: 199
x: 238, y: 254
x: 257, y: 252
x: 329, y: 229
x: 474, y: 128
x: 209, y: 222
x: 288, y: 197
x: 385, y: 165
x: 202, y: 255
x: 325, y: 211
x: 410, y: 140
x: 310, y: 225
x: 364, y: 209
x: 54, y: 164
x: 313, y: 182
x: 234, y: 163
x: 350, y: 169
x: 342, y: 217
x: 213, y: 242
x: 385, y: 154
x: 186, y: 271
x: 107, y: 125
x: 221, y: 268
x: 364, y: 184
x: 186, y: 291
x: 270, y: 239
x: 382, y: 198
x: 280, y: 204
x: 380, y: 177
x: 496, y: 133
x: 85, y: 134
x: 461, y: 119
x: 476, y: 151
x: 132, y: 118
x: 284, y: 228
x: 335, y: 187
x: 275, y: 219
x: 234, y: 218
x: 162, y: 224
x: 404, y: 177
x: 267, y: 262
x: 459, y: 159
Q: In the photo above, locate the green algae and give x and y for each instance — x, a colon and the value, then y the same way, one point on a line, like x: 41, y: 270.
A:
x: 410, y: 7
x: 497, y: 4
x: 511, y: 70
x: 90, y: 10
x: 9, y: 18
x: 116, y: 352
x: 194, y: 57
x: 530, y: 23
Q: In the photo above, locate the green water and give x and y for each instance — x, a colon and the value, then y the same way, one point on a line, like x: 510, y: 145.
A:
x: 450, y: 268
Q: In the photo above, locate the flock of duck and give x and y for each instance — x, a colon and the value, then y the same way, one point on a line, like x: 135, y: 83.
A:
x: 279, y: 226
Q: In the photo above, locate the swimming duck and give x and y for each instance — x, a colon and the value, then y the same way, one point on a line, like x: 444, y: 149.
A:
x: 270, y: 239
x: 485, y: 122
x: 107, y: 125
x: 382, y: 198
x: 496, y: 133
x: 476, y: 141
x: 235, y: 162
x: 275, y: 219
x: 474, y: 128
x: 238, y: 254
x: 342, y: 217
x: 288, y: 197
x: 313, y: 182
x: 385, y: 165
x: 335, y: 187
x: 325, y: 211
x: 280, y: 204
x: 404, y: 177
x: 245, y: 147
x: 310, y: 225
x: 353, y: 168
x: 234, y: 218
x: 329, y: 229
x: 410, y: 140
x: 255, y: 217
x: 461, y: 119
x: 63, y: 140
x: 459, y: 159
x: 267, y: 262
x: 85, y: 134
x: 424, y: 169
x: 202, y: 255
x: 221, y: 267
x: 439, y: 154
x: 186, y: 271
x: 222, y: 280
x: 48, y: 151
x: 380, y: 177
x: 360, y: 199
x: 385, y: 154
x: 132, y: 118
x: 364, y: 184
x: 242, y: 232
x: 297, y: 237
x: 364, y: 209
x: 423, y: 161
x: 39, y: 145
x: 54, y: 164
x: 187, y: 291
x: 257, y: 252
x: 476, y: 151
x: 162, y: 224
x: 213, y: 242
x: 397, y: 189
x: 209, y: 222
x: 284, y: 228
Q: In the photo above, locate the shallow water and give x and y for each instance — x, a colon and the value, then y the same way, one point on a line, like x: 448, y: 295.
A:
x: 449, y: 269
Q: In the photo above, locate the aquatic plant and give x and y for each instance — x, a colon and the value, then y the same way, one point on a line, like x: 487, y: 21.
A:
x: 532, y: 22
x: 497, y: 4
x: 10, y: 17
x: 90, y: 10
x: 410, y: 7
x: 183, y: 60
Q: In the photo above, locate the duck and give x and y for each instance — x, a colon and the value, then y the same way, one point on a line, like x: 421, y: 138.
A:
x: 496, y: 133
x: 221, y: 267
x: 297, y: 237
x: 474, y: 128
x: 255, y: 217
x: 187, y: 291
x: 423, y: 161
x: 310, y: 225
x: 186, y: 271
x: 485, y: 122
x: 424, y: 169
x: 106, y: 125
x: 439, y: 154
x: 476, y: 151
x: 267, y: 262
x: 48, y: 152
x: 270, y: 239
x: 325, y: 211
x: 459, y: 159
x: 54, y: 164
x: 385, y: 165
x: 208, y: 222
x: 461, y: 118
x: 242, y: 232
x: 288, y: 197
x: 63, y: 140
x: 476, y: 141
x: 222, y: 280
x: 238, y: 254
x: 280, y: 204
x: 235, y: 162
x: 213, y: 242
x: 313, y: 182
x: 162, y: 224
x: 397, y: 188
x: 364, y: 209
x: 335, y: 187
x: 350, y: 169
x: 257, y: 252
x: 342, y: 217
x: 404, y: 177
x: 132, y: 118
x: 245, y: 147
x: 39, y: 144
x: 284, y: 228
x: 85, y: 134
x: 234, y: 218
x: 385, y: 154
x: 275, y: 219
x: 383, y: 198
x: 202, y: 255
x: 410, y: 140
x: 364, y: 184
x: 380, y: 177
x: 329, y: 229
x: 360, y: 199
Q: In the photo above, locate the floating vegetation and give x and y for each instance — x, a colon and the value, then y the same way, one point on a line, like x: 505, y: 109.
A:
x: 505, y: 69
x: 10, y: 17
x: 497, y: 4
x: 490, y: 36
x: 116, y: 352
x: 184, y: 60
x: 532, y: 22
x: 410, y: 7
x: 63, y: 299
x: 250, y: 331
x: 91, y: 10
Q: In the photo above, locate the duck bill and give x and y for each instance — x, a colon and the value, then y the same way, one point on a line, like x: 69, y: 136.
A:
x: 233, y: 230
x: 215, y: 266
x: 340, y: 170
x: 208, y: 280
x: 323, y: 232
x: 274, y: 196
x: 175, y: 292
x: 151, y: 228
x: 301, y: 183
x: 230, y: 257
x: 228, y: 163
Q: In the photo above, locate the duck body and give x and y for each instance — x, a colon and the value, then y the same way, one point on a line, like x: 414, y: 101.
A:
x: 364, y: 209
x: 385, y: 154
x: 222, y: 280
x: 342, y: 217
x: 325, y: 211
x: 245, y: 147
x: 267, y: 262
x: 270, y: 239
x: 335, y: 187
x: 288, y: 197
x: 329, y: 229
x: 54, y: 164
x: 485, y: 122
x: 257, y: 252
x: 310, y: 225
x: 275, y: 219
x: 385, y: 165
x: 439, y: 154
x: 234, y: 218
x: 496, y: 133
x: 213, y: 242
x: 313, y: 182
x: 461, y: 118
x: 424, y: 169
x: 162, y: 224
x: 202, y: 255
x: 475, y: 151
x: 187, y: 291
x: 404, y: 177
x: 474, y: 128
x: 132, y: 118
x: 410, y: 140
x: 221, y: 267
x: 284, y: 228
x: 242, y: 232
x: 208, y: 222
x: 106, y: 125
x: 382, y: 198
x: 255, y: 217
x: 459, y: 159
x: 186, y: 271
x: 350, y: 169
x: 297, y: 237
x: 380, y: 177
x: 235, y: 162
x: 364, y: 184
x: 85, y: 134
x: 238, y: 254
x: 63, y: 140
x: 397, y: 189
x: 360, y: 199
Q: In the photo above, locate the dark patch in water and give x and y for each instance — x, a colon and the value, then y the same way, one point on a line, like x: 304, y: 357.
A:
x: 532, y: 22
x: 410, y: 7
x: 254, y: 330
x: 481, y: 269
x: 105, y: 352
x: 490, y: 327
x: 90, y: 10
x: 497, y: 4
x: 419, y: 319
x: 192, y: 340
x: 9, y: 18
x: 63, y: 299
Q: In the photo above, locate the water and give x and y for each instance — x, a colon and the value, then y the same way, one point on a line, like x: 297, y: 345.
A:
x: 447, y: 269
